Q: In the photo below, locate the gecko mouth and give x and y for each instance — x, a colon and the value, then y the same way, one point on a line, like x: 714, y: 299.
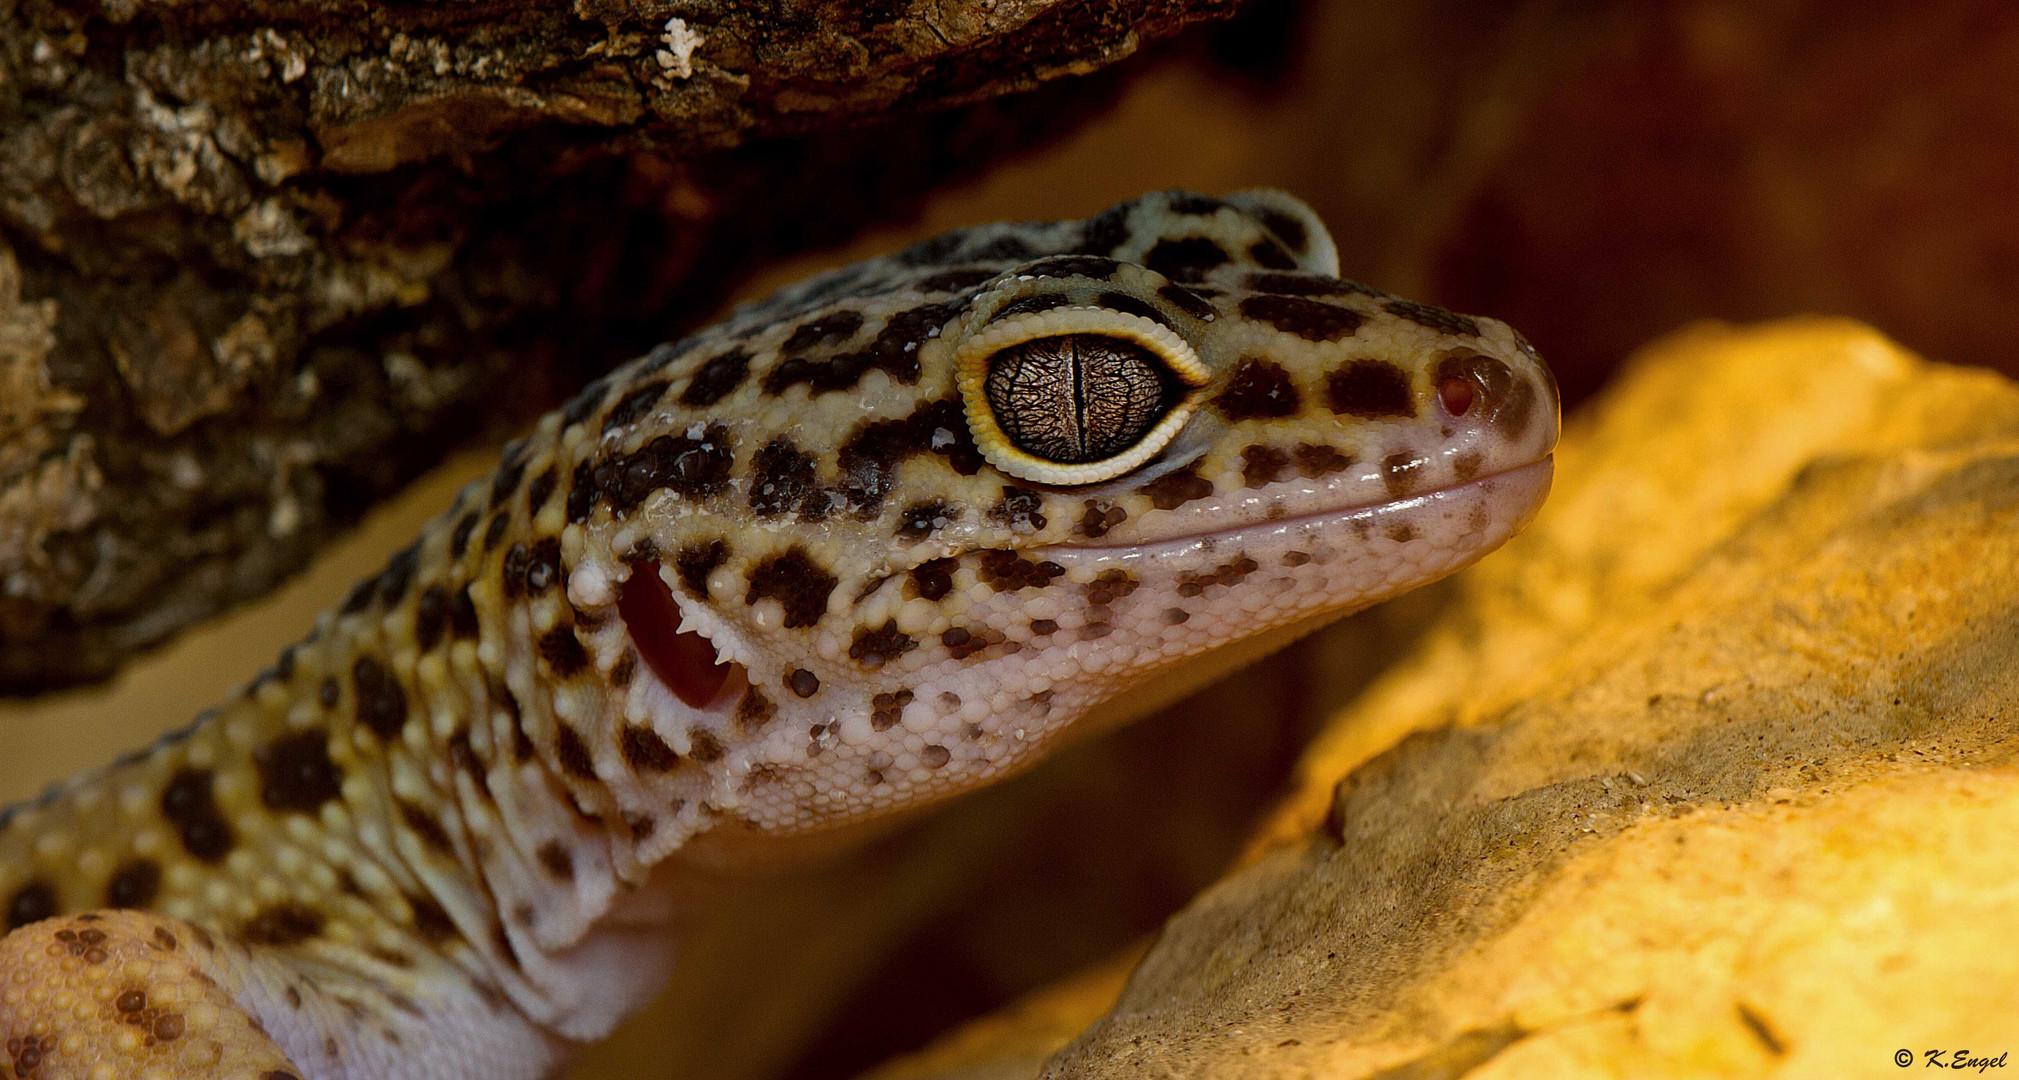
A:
x: 1511, y: 494
x: 683, y: 660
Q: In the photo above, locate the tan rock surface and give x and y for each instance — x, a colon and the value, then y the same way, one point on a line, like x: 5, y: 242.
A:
x: 1710, y: 773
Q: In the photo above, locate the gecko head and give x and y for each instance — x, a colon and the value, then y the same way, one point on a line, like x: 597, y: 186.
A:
x: 1103, y: 455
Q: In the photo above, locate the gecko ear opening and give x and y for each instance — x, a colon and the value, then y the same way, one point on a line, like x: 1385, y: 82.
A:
x: 683, y: 660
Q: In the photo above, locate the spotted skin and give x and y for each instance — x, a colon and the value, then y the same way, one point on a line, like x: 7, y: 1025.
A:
x: 432, y: 841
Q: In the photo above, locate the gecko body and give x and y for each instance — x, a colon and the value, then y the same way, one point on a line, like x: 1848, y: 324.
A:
x: 884, y: 537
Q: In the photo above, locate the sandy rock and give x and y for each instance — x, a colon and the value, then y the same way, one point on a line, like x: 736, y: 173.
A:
x: 1710, y: 773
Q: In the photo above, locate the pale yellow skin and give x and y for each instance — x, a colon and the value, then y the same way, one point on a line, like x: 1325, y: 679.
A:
x: 434, y: 841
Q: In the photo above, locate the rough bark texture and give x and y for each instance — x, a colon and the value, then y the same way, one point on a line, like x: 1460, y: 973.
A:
x: 261, y: 263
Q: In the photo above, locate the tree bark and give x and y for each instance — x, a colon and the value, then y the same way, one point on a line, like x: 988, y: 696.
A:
x: 260, y: 263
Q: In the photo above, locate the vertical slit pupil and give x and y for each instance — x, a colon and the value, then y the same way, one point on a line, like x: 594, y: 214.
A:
x: 685, y: 661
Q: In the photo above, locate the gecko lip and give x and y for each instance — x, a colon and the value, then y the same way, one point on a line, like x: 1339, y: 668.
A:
x: 1519, y: 490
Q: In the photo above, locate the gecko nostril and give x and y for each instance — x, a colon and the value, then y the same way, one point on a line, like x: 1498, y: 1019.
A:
x: 684, y: 660
x: 1456, y: 393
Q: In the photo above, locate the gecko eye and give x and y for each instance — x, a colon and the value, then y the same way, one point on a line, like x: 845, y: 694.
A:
x: 1078, y: 398
x: 1075, y: 395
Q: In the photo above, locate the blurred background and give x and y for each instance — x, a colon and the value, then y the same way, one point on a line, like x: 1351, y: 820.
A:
x: 1597, y: 174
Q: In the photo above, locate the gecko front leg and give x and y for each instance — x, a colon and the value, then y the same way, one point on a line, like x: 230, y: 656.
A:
x: 889, y: 535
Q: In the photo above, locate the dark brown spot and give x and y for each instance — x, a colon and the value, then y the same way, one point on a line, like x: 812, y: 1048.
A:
x: 1043, y: 627
x: 1262, y: 465
x: 703, y: 746
x: 582, y: 492
x: 695, y: 562
x: 465, y: 758
x: 543, y: 565
x: 1123, y: 302
x: 280, y: 1074
x: 886, y: 709
x: 689, y: 466
x: 131, y: 1001
x: 1176, y: 616
x: 869, y: 460
x: 463, y: 615
x: 1296, y: 558
x: 556, y: 860
x: 164, y: 940
x: 1436, y: 318
x: 625, y: 669
x: 1191, y: 202
x: 398, y: 574
x: 167, y: 1027
x: 1105, y: 231
x: 134, y: 885
x: 782, y: 479
x: 1187, y: 301
x: 431, y: 617
x: 830, y: 329
x: 1308, y: 319
x: 189, y: 805
x: 30, y: 903
x: 875, y: 648
x: 584, y: 405
x: 381, y: 703
x: 635, y: 403
x: 327, y: 693
x: 717, y: 378
x: 933, y: 579
x: 1029, y: 304
x: 360, y: 596
x: 934, y: 756
x: 1401, y: 472
x: 1370, y: 388
x: 640, y: 826
x: 1060, y: 266
x: 1269, y: 253
x: 1019, y: 509
x: 922, y: 519
x: 1286, y: 227
x: 296, y: 773
x: 1109, y: 587
x: 893, y: 351
x: 803, y: 682
x: 563, y: 651
x: 799, y: 584
x: 506, y: 482
x: 431, y: 922
x: 282, y: 925
x: 1098, y: 518
x: 755, y: 710
x: 1187, y: 259
x: 1175, y: 489
x: 1305, y: 285
x: 426, y: 827
x: 1006, y: 571
x: 645, y: 751
x: 541, y: 489
x: 1466, y: 466
x: 1258, y: 389
x: 573, y: 752
x: 1401, y: 532
x: 512, y: 571
x: 1315, y: 460
x: 495, y: 531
